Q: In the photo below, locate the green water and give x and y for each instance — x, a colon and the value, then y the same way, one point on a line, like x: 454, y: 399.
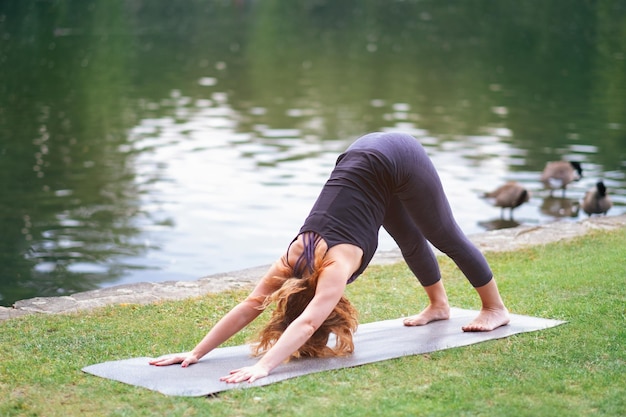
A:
x: 120, y: 121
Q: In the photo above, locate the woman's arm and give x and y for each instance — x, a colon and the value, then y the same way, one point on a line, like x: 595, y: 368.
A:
x: 235, y: 320
x: 330, y: 288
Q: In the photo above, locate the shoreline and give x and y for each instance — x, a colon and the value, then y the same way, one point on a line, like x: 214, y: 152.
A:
x: 143, y: 293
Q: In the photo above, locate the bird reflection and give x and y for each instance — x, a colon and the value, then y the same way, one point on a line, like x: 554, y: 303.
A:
x: 498, y: 223
x: 560, y: 207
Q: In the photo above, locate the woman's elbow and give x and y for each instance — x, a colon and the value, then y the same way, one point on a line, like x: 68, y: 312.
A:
x: 251, y: 307
x: 308, y: 326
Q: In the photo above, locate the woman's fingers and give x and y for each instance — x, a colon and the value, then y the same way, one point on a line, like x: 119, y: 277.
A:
x: 249, y: 374
x: 188, y: 361
x: 184, y: 360
x: 237, y: 375
x: 166, y: 360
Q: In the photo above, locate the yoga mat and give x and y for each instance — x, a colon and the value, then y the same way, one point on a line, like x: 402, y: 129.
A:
x: 373, y: 342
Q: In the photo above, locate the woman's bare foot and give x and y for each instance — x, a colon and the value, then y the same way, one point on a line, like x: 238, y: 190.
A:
x: 430, y: 313
x: 488, y: 319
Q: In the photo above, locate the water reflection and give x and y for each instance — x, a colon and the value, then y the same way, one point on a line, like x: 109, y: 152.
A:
x: 150, y: 141
x: 560, y: 207
x: 499, y: 223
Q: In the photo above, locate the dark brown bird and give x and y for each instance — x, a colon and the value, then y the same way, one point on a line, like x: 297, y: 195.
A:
x: 558, y: 174
x: 510, y: 195
x: 596, y: 200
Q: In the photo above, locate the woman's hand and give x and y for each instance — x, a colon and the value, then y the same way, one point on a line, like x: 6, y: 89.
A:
x: 249, y: 373
x: 185, y: 359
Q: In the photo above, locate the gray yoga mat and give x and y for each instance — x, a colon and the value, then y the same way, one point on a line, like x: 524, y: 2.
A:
x: 373, y: 342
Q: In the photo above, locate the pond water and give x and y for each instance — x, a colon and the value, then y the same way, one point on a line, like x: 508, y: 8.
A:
x: 151, y: 141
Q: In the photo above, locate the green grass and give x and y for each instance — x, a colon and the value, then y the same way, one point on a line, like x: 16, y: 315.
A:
x: 577, y: 369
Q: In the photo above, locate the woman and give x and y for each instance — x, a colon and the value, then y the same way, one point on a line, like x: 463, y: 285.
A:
x: 383, y: 179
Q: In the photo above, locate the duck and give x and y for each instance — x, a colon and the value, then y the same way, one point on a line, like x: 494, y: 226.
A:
x: 596, y: 200
x: 558, y: 174
x: 510, y: 195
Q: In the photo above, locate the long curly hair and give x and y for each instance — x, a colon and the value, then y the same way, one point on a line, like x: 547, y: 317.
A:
x: 291, y: 298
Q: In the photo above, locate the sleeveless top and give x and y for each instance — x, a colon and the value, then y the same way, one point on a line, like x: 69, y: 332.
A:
x: 351, y: 206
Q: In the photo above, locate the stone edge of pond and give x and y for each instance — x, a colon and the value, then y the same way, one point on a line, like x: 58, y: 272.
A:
x: 143, y: 293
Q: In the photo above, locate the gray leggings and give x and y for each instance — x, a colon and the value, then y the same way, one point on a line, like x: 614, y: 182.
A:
x: 419, y: 213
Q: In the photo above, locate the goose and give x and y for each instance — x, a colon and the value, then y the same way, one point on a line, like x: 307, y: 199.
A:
x: 509, y: 195
x: 558, y: 174
x: 596, y: 200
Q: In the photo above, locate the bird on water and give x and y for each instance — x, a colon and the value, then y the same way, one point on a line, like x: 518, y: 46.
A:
x: 596, y: 200
x: 559, y: 174
x: 510, y: 195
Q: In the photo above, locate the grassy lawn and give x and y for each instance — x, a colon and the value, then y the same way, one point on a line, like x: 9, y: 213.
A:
x: 577, y: 369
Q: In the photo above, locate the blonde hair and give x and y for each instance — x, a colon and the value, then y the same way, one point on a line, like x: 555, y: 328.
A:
x: 291, y: 298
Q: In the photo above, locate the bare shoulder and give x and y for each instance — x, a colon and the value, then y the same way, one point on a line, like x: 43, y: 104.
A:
x: 340, y: 262
x: 344, y: 257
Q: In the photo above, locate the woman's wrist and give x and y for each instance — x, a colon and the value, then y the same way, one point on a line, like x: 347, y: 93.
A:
x: 195, y: 355
x: 264, y: 366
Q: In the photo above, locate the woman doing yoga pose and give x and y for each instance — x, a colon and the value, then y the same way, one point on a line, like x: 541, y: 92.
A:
x: 382, y: 179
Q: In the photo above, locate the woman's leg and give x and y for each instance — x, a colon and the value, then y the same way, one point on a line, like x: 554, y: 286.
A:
x: 424, y: 199
x: 493, y: 313
x: 422, y: 262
